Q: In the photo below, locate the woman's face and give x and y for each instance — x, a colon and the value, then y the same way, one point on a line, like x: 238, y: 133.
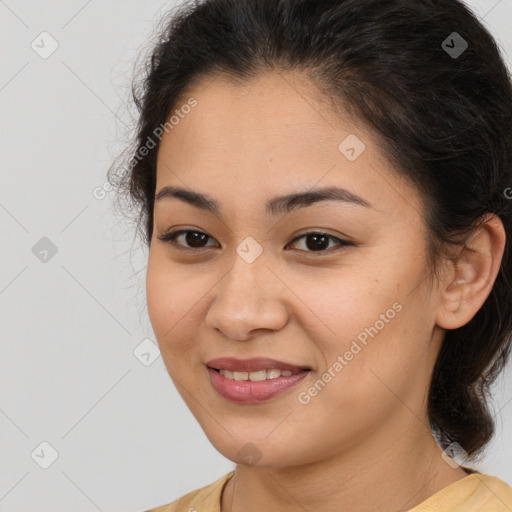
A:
x: 361, y: 316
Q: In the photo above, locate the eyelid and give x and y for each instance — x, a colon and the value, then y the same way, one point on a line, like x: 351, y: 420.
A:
x: 171, y: 235
x: 320, y: 231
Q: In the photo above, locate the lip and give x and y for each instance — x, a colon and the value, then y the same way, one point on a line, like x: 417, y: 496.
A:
x: 249, y: 392
x: 253, y: 365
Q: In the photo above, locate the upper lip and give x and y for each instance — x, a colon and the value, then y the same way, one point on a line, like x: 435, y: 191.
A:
x: 252, y: 365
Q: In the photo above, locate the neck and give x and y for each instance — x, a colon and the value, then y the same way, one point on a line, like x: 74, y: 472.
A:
x: 394, y: 472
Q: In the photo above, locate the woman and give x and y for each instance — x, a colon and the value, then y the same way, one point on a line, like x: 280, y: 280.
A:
x: 324, y: 187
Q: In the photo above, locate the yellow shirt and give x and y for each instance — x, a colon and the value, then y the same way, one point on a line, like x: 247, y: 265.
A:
x: 474, y: 493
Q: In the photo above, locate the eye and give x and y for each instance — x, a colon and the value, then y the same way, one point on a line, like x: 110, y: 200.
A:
x: 318, y: 241
x: 195, y: 238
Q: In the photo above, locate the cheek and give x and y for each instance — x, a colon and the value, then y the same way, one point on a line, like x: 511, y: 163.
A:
x: 159, y: 298
x: 167, y: 300
x: 384, y: 366
x: 176, y: 311
x: 339, y: 307
x: 361, y: 331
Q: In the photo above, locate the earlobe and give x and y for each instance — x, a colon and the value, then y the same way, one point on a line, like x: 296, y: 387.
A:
x: 470, y: 277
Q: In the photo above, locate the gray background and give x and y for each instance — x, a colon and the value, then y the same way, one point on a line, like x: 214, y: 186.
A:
x: 72, y: 323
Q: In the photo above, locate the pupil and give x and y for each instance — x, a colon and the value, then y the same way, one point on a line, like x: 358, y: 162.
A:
x: 317, y: 246
x: 193, y: 237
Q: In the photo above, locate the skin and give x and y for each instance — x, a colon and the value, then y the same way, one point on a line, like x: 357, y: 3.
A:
x: 363, y: 443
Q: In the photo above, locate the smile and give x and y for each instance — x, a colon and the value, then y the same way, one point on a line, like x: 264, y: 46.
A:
x: 251, y: 387
x: 255, y: 376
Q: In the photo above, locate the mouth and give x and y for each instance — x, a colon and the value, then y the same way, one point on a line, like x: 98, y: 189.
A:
x: 258, y: 375
x: 237, y: 368
x: 253, y: 380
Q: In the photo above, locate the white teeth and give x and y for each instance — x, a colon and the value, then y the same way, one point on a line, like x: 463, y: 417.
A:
x: 256, y: 376
x: 227, y: 373
x: 259, y: 375
x: 272, y: 374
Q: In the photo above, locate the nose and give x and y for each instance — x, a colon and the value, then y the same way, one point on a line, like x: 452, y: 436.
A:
x: 249, y: 299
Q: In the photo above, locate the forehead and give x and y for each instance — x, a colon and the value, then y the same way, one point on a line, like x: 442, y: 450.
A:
x: 270, y: 107
x: 270, y: 135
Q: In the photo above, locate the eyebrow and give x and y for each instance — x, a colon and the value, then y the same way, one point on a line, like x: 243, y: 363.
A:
x: 275, y: 206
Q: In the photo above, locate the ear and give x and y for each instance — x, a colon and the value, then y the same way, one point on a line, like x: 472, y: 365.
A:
x: 469, y: 278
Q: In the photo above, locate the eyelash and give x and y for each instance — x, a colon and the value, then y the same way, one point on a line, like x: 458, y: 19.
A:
x: 171, y: 236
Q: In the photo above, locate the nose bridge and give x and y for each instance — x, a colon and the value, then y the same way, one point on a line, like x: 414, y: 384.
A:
x: 249, y: 265
x: 249, y: 250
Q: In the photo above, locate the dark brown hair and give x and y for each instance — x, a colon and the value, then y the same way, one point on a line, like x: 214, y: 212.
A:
x: 443, y: 120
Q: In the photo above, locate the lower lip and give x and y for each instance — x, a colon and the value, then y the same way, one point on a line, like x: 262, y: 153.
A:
x: 248, y: 391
